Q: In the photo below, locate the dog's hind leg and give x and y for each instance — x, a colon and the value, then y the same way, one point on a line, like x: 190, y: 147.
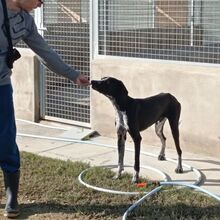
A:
x: 121, y: 150
x: 159, y: 131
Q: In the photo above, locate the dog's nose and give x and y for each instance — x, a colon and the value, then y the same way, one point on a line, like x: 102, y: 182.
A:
x: 95, y: 82
x: 92, y: 81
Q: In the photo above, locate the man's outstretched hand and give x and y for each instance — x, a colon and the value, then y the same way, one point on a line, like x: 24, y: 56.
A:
x: 81, y: 80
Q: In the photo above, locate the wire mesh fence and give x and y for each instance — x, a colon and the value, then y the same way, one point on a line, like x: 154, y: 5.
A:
x: 67, y: 24
x: 184, y: 30
x: 67, y: 32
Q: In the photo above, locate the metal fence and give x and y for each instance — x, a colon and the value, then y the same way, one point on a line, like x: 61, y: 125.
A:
x: 66, y: 29
x: 67, y: 24
x: 184, y: 30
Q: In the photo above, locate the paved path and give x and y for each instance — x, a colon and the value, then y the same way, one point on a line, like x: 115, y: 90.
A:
x: 96, y: 153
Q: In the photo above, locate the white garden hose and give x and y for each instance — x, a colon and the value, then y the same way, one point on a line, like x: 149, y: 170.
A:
x: 155, y: 190
x: 41, y: 125
x: 81, y: 175
x: 140, y: 201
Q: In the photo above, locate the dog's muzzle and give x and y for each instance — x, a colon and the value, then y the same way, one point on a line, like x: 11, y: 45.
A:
x: 95, y: 84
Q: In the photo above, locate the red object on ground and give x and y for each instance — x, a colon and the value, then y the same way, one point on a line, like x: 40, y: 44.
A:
x: 148, y: 183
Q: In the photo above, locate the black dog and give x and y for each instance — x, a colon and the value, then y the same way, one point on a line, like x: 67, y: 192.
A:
x: 135, y: 115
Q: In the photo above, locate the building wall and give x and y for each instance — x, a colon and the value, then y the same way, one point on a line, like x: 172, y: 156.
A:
x: 25, y: 81
x: 196, y: 86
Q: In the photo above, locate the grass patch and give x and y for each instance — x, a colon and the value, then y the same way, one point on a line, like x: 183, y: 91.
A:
x: 49, y: 189
x: 104, y: 178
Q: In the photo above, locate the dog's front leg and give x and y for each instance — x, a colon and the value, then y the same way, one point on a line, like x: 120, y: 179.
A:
x: 121, y: 150
x: 137, y: 145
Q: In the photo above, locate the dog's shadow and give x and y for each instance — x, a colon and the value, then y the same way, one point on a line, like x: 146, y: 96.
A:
x: 205, y: 180
x: 214, y: 162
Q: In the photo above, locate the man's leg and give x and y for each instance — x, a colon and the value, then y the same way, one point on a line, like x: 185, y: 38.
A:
x: 9, y: 154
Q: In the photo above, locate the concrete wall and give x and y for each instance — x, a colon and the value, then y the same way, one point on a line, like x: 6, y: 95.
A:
x: 196, y: 87
x: 25, y: 80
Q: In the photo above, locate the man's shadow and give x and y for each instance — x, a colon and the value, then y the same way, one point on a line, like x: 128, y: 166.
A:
x: 31, y: 209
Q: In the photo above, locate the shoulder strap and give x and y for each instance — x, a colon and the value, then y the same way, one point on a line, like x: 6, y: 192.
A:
x: 7, y: 25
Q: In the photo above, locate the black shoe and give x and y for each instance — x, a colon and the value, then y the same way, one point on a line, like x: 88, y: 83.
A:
x: 11, y: 213
x: 11, y: 181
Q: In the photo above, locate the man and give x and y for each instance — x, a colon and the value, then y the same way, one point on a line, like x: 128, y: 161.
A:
x: 22, y: 26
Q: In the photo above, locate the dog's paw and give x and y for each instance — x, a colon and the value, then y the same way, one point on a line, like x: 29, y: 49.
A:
x: 135, y: 179
x: 179, y: 170
x: 116, y: 177
x: 161, y: 157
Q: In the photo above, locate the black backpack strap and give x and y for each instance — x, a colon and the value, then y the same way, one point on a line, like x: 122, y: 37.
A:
x: 7, y: 26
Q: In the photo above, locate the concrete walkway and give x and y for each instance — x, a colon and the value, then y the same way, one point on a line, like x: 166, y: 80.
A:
x: 97, y: 153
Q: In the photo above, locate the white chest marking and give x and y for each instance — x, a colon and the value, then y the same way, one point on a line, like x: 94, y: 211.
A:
x: 121, y: 120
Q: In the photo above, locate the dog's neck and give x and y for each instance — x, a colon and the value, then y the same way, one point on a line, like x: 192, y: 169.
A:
x: 119, y: 103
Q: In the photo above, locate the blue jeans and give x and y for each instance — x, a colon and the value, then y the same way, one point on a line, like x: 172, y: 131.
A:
x: 9, y: 153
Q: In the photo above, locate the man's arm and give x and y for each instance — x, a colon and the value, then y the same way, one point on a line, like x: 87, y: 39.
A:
x: 50, y: 58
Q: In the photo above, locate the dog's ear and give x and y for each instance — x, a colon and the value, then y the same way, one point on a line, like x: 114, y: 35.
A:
x: 105, y: 77
x: 124, y: 91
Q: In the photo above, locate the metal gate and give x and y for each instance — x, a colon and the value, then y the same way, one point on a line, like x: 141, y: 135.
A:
x: 65, y: 26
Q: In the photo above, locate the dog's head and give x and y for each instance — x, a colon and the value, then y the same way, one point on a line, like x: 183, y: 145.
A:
x: 110, y: 87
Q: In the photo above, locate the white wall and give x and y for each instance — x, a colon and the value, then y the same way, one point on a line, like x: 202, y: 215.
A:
x: 195, y: 86
x: 25, y: 81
